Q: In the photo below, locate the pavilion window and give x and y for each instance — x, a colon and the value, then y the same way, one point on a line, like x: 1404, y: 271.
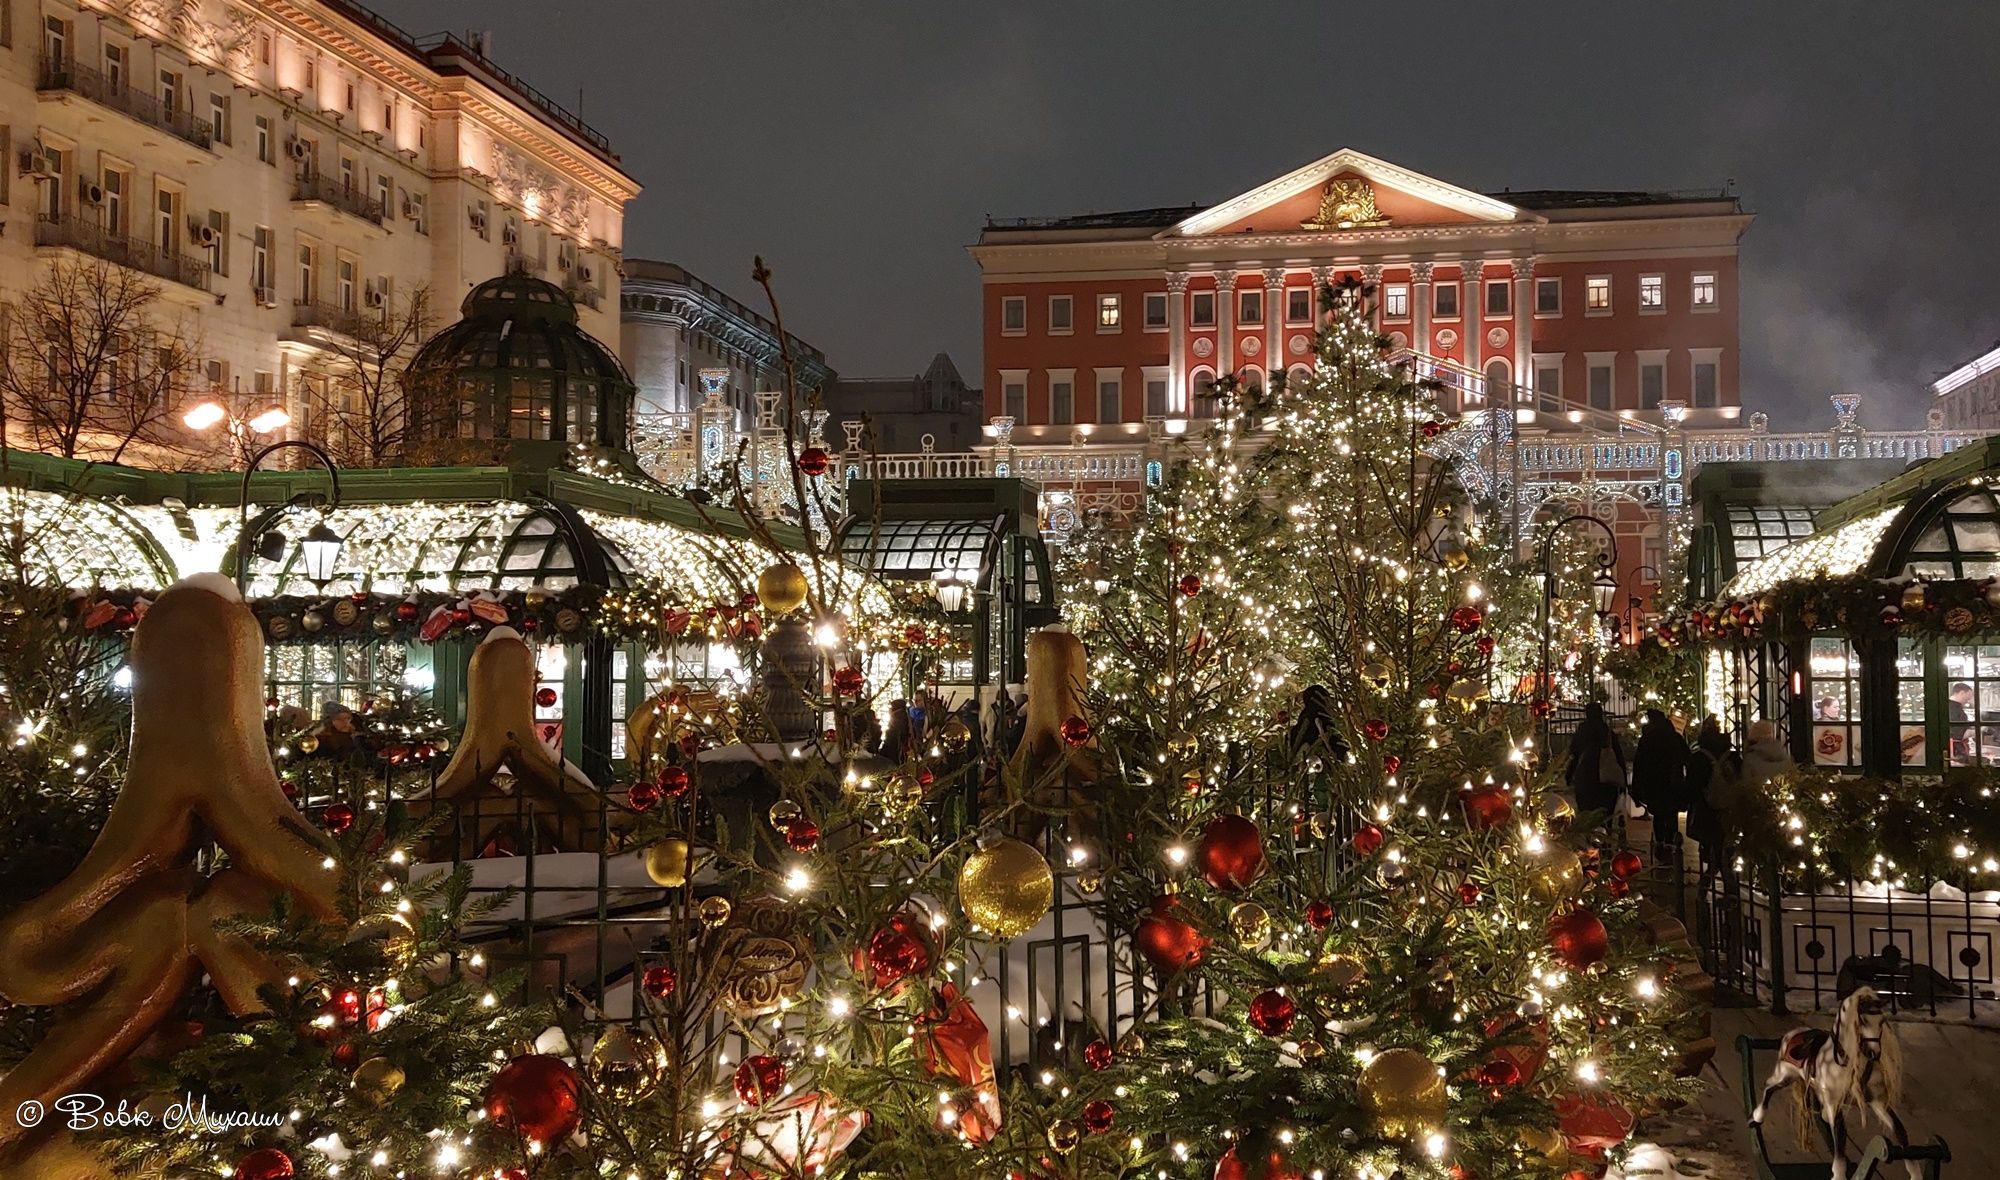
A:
x: 582, y: 411
x: 532, y: 407
x: 1835, y: 684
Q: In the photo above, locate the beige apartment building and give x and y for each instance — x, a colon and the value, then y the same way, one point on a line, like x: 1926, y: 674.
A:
x: 289, y: 171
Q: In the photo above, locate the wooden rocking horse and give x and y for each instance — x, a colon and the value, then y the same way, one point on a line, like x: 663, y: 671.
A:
x: 1853, y: 1064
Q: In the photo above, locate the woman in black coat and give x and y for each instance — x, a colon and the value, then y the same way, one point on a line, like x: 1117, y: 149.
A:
x: 1594, y: 790
x: 1659, y: 780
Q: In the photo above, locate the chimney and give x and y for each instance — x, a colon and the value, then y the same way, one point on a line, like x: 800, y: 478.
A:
x: 482, y: 43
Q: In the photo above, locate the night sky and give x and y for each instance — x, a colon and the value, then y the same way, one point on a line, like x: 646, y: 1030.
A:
x: 858, y: 144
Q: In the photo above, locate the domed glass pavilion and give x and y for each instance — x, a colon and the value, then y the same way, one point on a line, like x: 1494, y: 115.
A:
x: 516, y: 368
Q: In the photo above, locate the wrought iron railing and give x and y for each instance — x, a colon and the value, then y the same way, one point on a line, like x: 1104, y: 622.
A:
x: 100, y: 88
x: 92, y: 238
x: 332, y: 317
x: 312, y: 186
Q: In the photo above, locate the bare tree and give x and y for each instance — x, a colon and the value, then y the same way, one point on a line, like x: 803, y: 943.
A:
x: 92, y: 368
x: 358, y: 401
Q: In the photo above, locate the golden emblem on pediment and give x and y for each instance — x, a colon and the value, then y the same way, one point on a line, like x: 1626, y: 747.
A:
x: 1347, y: 203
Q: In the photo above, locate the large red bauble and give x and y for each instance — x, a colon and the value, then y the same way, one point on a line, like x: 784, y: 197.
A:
x: 643, y: 796
x: 802, y: 835
x: 1274, y: 1167
x: 546, y: 697
x: 1579, y: 939
x: 1499, y: 1072
x: 1168, y: 942
x: 674, y: 781
x: 660, y: 981
x: 265, y: 1163
x: 1098, y: 1054
x: 1368, y: 839
x: 899, y: 949
x: 1075, y: 731
x: 759, y: 1079
x: 1391, y: 764
x: 1098, y: 1115
x: 1272, y: 1012
x: 814, y: 461
x: 1319, y: 914
x: 848, y: 680
x: 1375, y: 729
x: 337, y: 818
x: 1466, y: 619
x: 538, y: 1096
x: 1487, y: 808
x: 1190, y: 584
x: 1231, y: 853
x: 1468, y: 893
x: 1626, y: 864
x: 1617, y: 888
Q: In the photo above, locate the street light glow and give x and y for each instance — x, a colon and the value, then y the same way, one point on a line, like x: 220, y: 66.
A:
x: 270, y: 421
x: 204, y: 415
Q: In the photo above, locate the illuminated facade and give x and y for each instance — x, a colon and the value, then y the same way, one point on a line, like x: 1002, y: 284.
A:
x: 288, y: 170
x: 1968, y: 397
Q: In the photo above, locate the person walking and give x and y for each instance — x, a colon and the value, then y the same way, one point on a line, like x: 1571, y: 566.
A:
x: 899, y: 744
x: 1714, y: 770
x: 1764, y: 757
x: 1659, y: 781
x: 1597, y: 767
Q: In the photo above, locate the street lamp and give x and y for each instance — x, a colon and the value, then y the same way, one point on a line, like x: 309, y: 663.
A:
x: 211, y: 413
x: 1604, y: 591
x: 952, y: 589
x: 319, y: 549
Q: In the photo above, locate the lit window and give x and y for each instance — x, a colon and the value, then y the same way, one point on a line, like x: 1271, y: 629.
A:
x: 1108, y: 313
x: 1548, y: 297
x: 1498, y: 299
x: 1597, y: 294
x: 1203, y: 314
x: 1014, y: 315
x: 1704, y: 289
x: 1059, y: 314
x: 1298, y: 305
x: 1652, y: 292
x: 1396, y: 302
x: 1156, y: 311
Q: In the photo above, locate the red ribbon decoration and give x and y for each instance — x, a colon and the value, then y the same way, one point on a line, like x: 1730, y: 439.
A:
x: 956, y: 1044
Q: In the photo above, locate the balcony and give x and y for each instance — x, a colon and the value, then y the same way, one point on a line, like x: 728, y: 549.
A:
x: 329, y: 317
x: 324, y: 190
x: 65, y: 76
x: 93, y: 239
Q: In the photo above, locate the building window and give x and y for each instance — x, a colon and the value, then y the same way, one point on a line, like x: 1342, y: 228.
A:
x: 1548, y: 297
x: 117, y: 66
x: 1110, y: 398
x: 1156, y: 397
x: 218, y: 242
x: 1155, y: 311
x: 1062, y: 402
x: 344, y: 283
x: 1014, y: 315
x: 350, y: 97
x: 55, y: 39
x: 1597, y: 295
x: 308, y: 273
x: 170, y: 93
x: 1499, y: 298
x: 1549, y: 383
x: 1109, y: 313
x: 218, y: 114
x: 1836, y: 702
x: 117, y: 214
x: 415, y: 203
x: 1707, y: 383
x: 1060, y: 315
x: 385, y: 192
x: 260, y: 263
x: 1444, y: 301
x: 1702, y: 292
x: 1396, y: 302
x: 167, y: 205
x: 1652, y: 292
x: 1014, y: 398
x: 1298, y: 305
x: 1600, y: 385
x: 265, y: 152
x: 1249, y: 308
x: 311, y: 79
x: 1203, y: 313
x: 1652, y: 384
x: 389, y: 119
x: 347, y: 175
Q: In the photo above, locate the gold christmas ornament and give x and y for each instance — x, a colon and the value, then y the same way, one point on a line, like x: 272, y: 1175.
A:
x: 1064, y: 1135
x: 1544, y: 1141
x: 1251, y: 924
x: 760, y: 958
x: 1005, y: 888
x: 1342, y: 973
x: 781, y: 588
x: 667, y: 863
x: 308, y: 743
x: 1403, y: 1094
x: 714, y: 911
x: 376, y: 1080
x: 783, y: 812
x: 1311, y: 1051
x: 1557, y: 874
x: 1089, y: 883
x: 626, y: 1064
x: 1131, y: 1044
x: 1557, y: 811
x: 953, y: 736
x: 1375, y: 674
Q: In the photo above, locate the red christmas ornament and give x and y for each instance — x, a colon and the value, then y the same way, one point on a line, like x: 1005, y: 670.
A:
x: 346, y: 1054
x: 345, y: 1006
x: 1391, y: 764
x: 676, y: 620
x: 1075, y: 731
x: 1499, y: 1072
x: 337, y: 818
x: 674, y: 781
x: 1231, y: 853
x: 1375, y: 729
x: 1484, y: 645
x: 1098, y: 1116
x: 749, y: 627
x: 1617, y: 888
x: 759, y: 1079
x: 1168, y: 942
x: 924, y: 777
x: 537, y: 1096
x: 406, y: 612
x: 643, y: 796
x: 1626, y: 864
x: 1433, y: 427
x: 1466, y: 619
x: 1579, y: 939
x: 802, y: 835
x: 814, y: 461
x: 1190, y: 584
x: 1272, y: 1012
x: 1487, y: 808
x: 1368, y: 839
x: 265, y: 1163
x: 1468, y: 893
x: 1098, y: 1054
x: 913, y: 633
x: 1319, y: 914
x: 660, y: 980
x: 546, y: 697
x: 899, y: 949
x: 1593, y: 1123
x: 848, y: 681
x: 1540, y: 707
x: 1275, y: 1167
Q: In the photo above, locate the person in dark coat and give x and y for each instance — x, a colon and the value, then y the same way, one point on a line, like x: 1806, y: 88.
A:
x: 1659, y: 781
x: 1713, y: 768
x: 899, y: 743
x: 1314, y: 725
x: 1017, y: 727
x: 1595, y: 790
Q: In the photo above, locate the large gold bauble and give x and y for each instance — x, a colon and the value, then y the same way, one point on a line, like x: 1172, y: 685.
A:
x: 1557, y: 811
x: 781, y: 588
x: 1454, y: 555
x: 1403, y: 1094
x: 1544, y: 1141
x: 308, y: 743
x: 714, y: 911
x: 1375, y: 674
x: 1342, y: 973
x: 1064, y: 1135
x: 626, y: 1065
x: 953, y: 736
x: 1251, y: 924
x: 667, y: 863
x: 1005, y: 888
x: 376, y: 1080
x: 1557, y: 874
x: 1311, y: 1050
x: 1131, y: 1044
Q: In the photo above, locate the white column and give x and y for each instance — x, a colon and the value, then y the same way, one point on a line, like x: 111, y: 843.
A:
x: 1420, y: 307
x: 1225, y: 323
x: 1177, y: 390
x: 1472, y: 312
x: 1274, y: 321
x: 1524, y: 326
x: 1371, y: 279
